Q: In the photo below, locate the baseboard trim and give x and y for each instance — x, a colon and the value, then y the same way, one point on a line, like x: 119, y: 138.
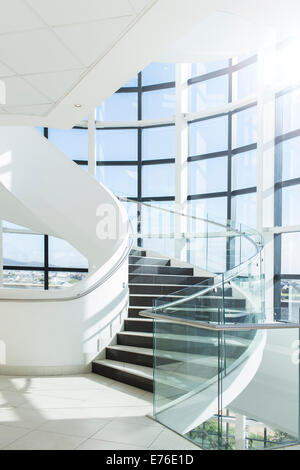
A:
x: 44, y: 370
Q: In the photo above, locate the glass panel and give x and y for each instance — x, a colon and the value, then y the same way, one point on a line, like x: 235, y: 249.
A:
x: 23, y: 279
x: 245, y: 82
x: 290, y: 264
x: 244, y: 209
x: 158, y: 223
x: 121, y: 180
x: 64, y: 255
x: 244, y: 170
x: 159, y: 142
x: 157, y: 73
x: 40, y: 130
x: 290, y: 205
x: 208, y: 136
x: 23, y: 249
x: 290, y: 150
x: 131, y: 83
x: 213, y: 208
x: 288, y: 108
x: 158, y: 180
x: 290, y: 299
x: 119, y: 107
x: 10, y: 225
x: 208, y: 176
x: 207, y: 67
x: 209, y: 94
x: 244, y: 127
x: 116, y: 145
x: 74, y: 142
x: 159, y: 104
x: 60, y: 280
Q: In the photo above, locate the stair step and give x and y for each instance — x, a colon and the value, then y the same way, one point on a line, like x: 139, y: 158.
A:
x: 200, y: 302
x: 193, y: 343
x: 163, y: 290
x: 143, y: 324
x: 142, y: 377
x: 137, y: 376
x: 203, y: 366
x: 150, y: 269
x: 142, y: 260
x: 137, y: 252
x: 167, y: 279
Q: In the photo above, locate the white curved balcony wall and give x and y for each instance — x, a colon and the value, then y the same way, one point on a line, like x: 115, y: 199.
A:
x: 41, y: 334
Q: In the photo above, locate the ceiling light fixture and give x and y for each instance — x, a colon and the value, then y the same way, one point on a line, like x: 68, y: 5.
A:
x: 78, y: 105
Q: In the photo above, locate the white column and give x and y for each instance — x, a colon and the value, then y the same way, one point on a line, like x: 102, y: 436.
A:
x: 266, y: 168
x: 240, y: 432
x: 181, y: 164
x: 92, y: 157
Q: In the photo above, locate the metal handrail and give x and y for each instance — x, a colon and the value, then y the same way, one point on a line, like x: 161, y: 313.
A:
x: 220, y: 327
x: 258, y: 247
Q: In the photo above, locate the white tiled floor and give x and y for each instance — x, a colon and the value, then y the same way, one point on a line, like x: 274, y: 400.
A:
x: 79, y: 412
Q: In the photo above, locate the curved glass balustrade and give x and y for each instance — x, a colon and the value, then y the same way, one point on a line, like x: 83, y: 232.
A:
x: 215, y: 378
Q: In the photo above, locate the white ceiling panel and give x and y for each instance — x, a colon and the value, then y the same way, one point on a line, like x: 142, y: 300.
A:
x: 15, y: 15
x: 98, y: 37
x: 37, y: 110
x: 21, y: 93
x: 35, y: 52
x: 63, y: 12
x: 139, y: 5
x: 55, y: 84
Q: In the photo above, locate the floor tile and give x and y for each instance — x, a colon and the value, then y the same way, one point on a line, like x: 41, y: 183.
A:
x: 126, y: 432
x: 169, y: 440
x: 93, y: 444
x: 41, y: 440
x: 11, y: 399
x: 9, y: 434
x: 75, y: 427
x: 22, y: 418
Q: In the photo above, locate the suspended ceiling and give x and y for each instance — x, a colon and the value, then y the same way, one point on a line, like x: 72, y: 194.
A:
x: 61, y: 58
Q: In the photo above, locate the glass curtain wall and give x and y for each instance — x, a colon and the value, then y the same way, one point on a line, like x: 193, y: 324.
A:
x: 135, y: 139
x: 35, y: 261
x: 287, y: 196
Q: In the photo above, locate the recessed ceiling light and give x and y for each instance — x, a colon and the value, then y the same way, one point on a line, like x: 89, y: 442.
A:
x: 78, y: 105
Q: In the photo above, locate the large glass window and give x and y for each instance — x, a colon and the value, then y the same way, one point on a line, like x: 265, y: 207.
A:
x: 203, y: 68
x: 121, y: 180
x: 244, y: 127
x: 158, y: 180
x: 23, y: 249
x: 208, y: 176
x: 31, y: 259
x: 157, y: 73
x: 73, y: 143
x: 208, y: 136
x: 288, y: 111
x: 159, y: 104
x: 208, y: 94
x: 244, y: 170
x: 245, y: 82
x: 62, y: 254
x: 119, y: 107
x: 244, y: 209
x: 158, y: 143
x: 116, y: 145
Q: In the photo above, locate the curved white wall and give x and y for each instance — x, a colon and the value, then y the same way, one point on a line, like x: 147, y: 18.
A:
x: 41, y: 332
